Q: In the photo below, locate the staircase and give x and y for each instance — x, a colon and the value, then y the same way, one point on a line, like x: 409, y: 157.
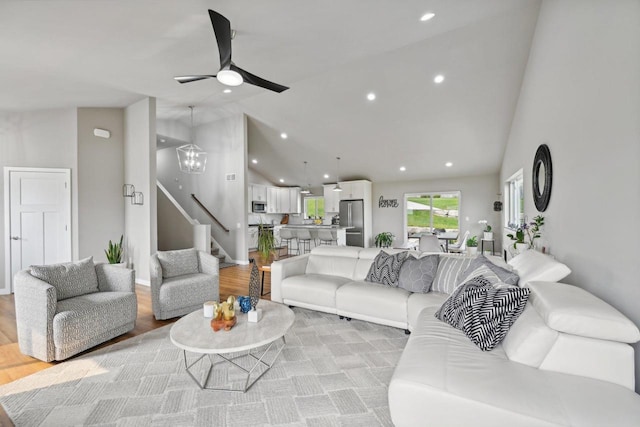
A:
x: 215, y: 251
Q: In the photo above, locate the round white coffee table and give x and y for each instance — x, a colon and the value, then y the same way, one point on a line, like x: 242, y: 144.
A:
x: 244, y: 346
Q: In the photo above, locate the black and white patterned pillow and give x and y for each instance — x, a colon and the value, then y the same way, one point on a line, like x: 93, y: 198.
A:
x: 71, y: 279
x: 385, y: 268
x: 484, y: 312
x: 416, y: 274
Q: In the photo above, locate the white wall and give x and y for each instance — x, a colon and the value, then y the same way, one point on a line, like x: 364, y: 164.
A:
x: 478, y: 195
x: 225, y: 141
x: 140, y: 170
x: 43, y: 139
x: 581, y: 96
x: 174, y: 230
x: 100, y: 180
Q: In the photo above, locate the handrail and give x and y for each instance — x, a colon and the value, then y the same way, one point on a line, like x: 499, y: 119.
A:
x: 193, y: 196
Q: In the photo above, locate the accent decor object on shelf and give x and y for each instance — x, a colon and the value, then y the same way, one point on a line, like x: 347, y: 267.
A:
x: 254, y: 293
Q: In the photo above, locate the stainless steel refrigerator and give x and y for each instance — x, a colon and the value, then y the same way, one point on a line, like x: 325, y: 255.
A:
x: 352, y: 215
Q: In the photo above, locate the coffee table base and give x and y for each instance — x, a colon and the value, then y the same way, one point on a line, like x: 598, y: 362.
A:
x: 247, y: 383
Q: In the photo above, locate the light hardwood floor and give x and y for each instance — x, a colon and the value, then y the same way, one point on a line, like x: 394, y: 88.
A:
x: 15, y: 365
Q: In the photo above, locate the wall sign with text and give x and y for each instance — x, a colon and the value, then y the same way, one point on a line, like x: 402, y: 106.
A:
x: 387, y: 203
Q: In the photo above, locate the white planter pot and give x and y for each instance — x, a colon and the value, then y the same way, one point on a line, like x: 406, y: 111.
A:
x: 472, y: 250
x: 521, y: 247
x: 488, y: 235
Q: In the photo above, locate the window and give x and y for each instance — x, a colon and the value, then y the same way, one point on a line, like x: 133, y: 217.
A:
x: 514, y: 200
x: 429, y: 212
x: 314, y: 207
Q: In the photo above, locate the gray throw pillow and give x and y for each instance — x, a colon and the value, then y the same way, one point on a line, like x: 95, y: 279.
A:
x: 71, y: 279
x: 449, y: 271
x: 385, y: 268
x: 481, y: 265
x: 416, y: 274
x: 484, y: 312
x: 178, y: 262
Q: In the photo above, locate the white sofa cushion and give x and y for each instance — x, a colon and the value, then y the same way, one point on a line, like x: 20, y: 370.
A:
x: 333, y: 260
x: 315, y: 289
x: 443, y: 379
x: 418, y: 302
x: 532, y: 266
x: 369, y: 301
x: 529, y: 339
x: 573, y: 310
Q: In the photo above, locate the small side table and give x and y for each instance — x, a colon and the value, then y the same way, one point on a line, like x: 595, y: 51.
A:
x: 267, y: 269
x: 481, y: 247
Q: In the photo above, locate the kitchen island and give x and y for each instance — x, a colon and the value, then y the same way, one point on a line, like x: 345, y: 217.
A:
x: 313, y: 229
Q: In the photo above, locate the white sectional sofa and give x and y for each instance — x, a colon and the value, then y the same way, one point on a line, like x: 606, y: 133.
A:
x: 566, y: 361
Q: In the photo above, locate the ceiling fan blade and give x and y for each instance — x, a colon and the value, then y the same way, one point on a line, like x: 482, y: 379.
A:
x: 222, y: 29
x: 189, y: 79
x: 258, y: 81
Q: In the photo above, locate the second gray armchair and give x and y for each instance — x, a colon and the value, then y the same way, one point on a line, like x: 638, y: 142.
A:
x: 182, y: 281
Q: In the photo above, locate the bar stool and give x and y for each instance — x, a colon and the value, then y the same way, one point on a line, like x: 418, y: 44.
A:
x: 328, y: 237
x: 286, y: 237
x: 304, y: 239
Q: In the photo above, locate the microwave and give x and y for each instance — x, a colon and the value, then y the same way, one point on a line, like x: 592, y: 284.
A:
x: 259, y: 207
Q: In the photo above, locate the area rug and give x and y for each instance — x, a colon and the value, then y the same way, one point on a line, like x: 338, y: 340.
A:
x: 331, y: 373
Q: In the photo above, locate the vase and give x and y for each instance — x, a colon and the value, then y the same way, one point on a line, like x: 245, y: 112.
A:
x: 521, y: 247
x: 472, y: 250
x: 488, y: 235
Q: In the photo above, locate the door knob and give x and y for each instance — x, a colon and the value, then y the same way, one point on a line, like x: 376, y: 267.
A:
x: 15, y: 238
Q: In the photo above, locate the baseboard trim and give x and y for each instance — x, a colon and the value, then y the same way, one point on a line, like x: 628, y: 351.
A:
x: 143, y: 282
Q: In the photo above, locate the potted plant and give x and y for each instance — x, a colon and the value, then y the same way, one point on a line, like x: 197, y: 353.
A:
x: 518, y: 238
x: 488, y: 234
x: 114, y: 252
x: 384, y: 239
x: 266, y: 243
x: 472, y: 245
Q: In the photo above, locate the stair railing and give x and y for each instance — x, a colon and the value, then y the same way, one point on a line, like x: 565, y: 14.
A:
x: 193, y: 196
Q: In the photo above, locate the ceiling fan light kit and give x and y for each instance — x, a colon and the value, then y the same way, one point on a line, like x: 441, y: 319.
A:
x: 229, y: 74
x: 229, y: 78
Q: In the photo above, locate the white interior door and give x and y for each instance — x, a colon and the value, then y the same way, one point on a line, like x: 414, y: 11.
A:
x: 39, y: 217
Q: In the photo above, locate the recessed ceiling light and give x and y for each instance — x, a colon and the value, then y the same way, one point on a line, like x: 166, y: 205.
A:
x: 448, y: 164
x: 281, y: 180
x: 427, y: 16
x: 371, y: 96
x: 402, y: 169
x: 439, y: 78
x: 227, y: 91
x: 254, y: 161
x: 326, y: 176
x: 163, y: 140
x: 284, y: 135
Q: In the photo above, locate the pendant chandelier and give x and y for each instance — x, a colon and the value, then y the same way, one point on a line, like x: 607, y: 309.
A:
x: 191, y: 158
x: 337, y: 187
x: 305, y: 190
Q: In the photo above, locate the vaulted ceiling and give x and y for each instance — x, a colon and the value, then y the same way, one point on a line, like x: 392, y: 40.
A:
x: 331, y: 53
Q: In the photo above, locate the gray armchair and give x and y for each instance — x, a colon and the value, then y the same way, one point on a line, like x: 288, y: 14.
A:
x: 64, y: 309
x: 182, y: 281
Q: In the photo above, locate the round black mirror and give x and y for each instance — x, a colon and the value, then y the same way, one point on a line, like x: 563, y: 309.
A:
x: 542, y: 176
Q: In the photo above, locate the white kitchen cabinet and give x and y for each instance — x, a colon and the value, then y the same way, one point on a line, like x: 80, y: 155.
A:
x: 354, y: 189
x: 252, y: 241
x: 283, y: 201
x: 294, y: 200
x: 259, y: 192
x: 272, y: 199
x: 331, y: 199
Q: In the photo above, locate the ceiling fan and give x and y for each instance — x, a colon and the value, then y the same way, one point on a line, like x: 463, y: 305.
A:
x: 229, y: 74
